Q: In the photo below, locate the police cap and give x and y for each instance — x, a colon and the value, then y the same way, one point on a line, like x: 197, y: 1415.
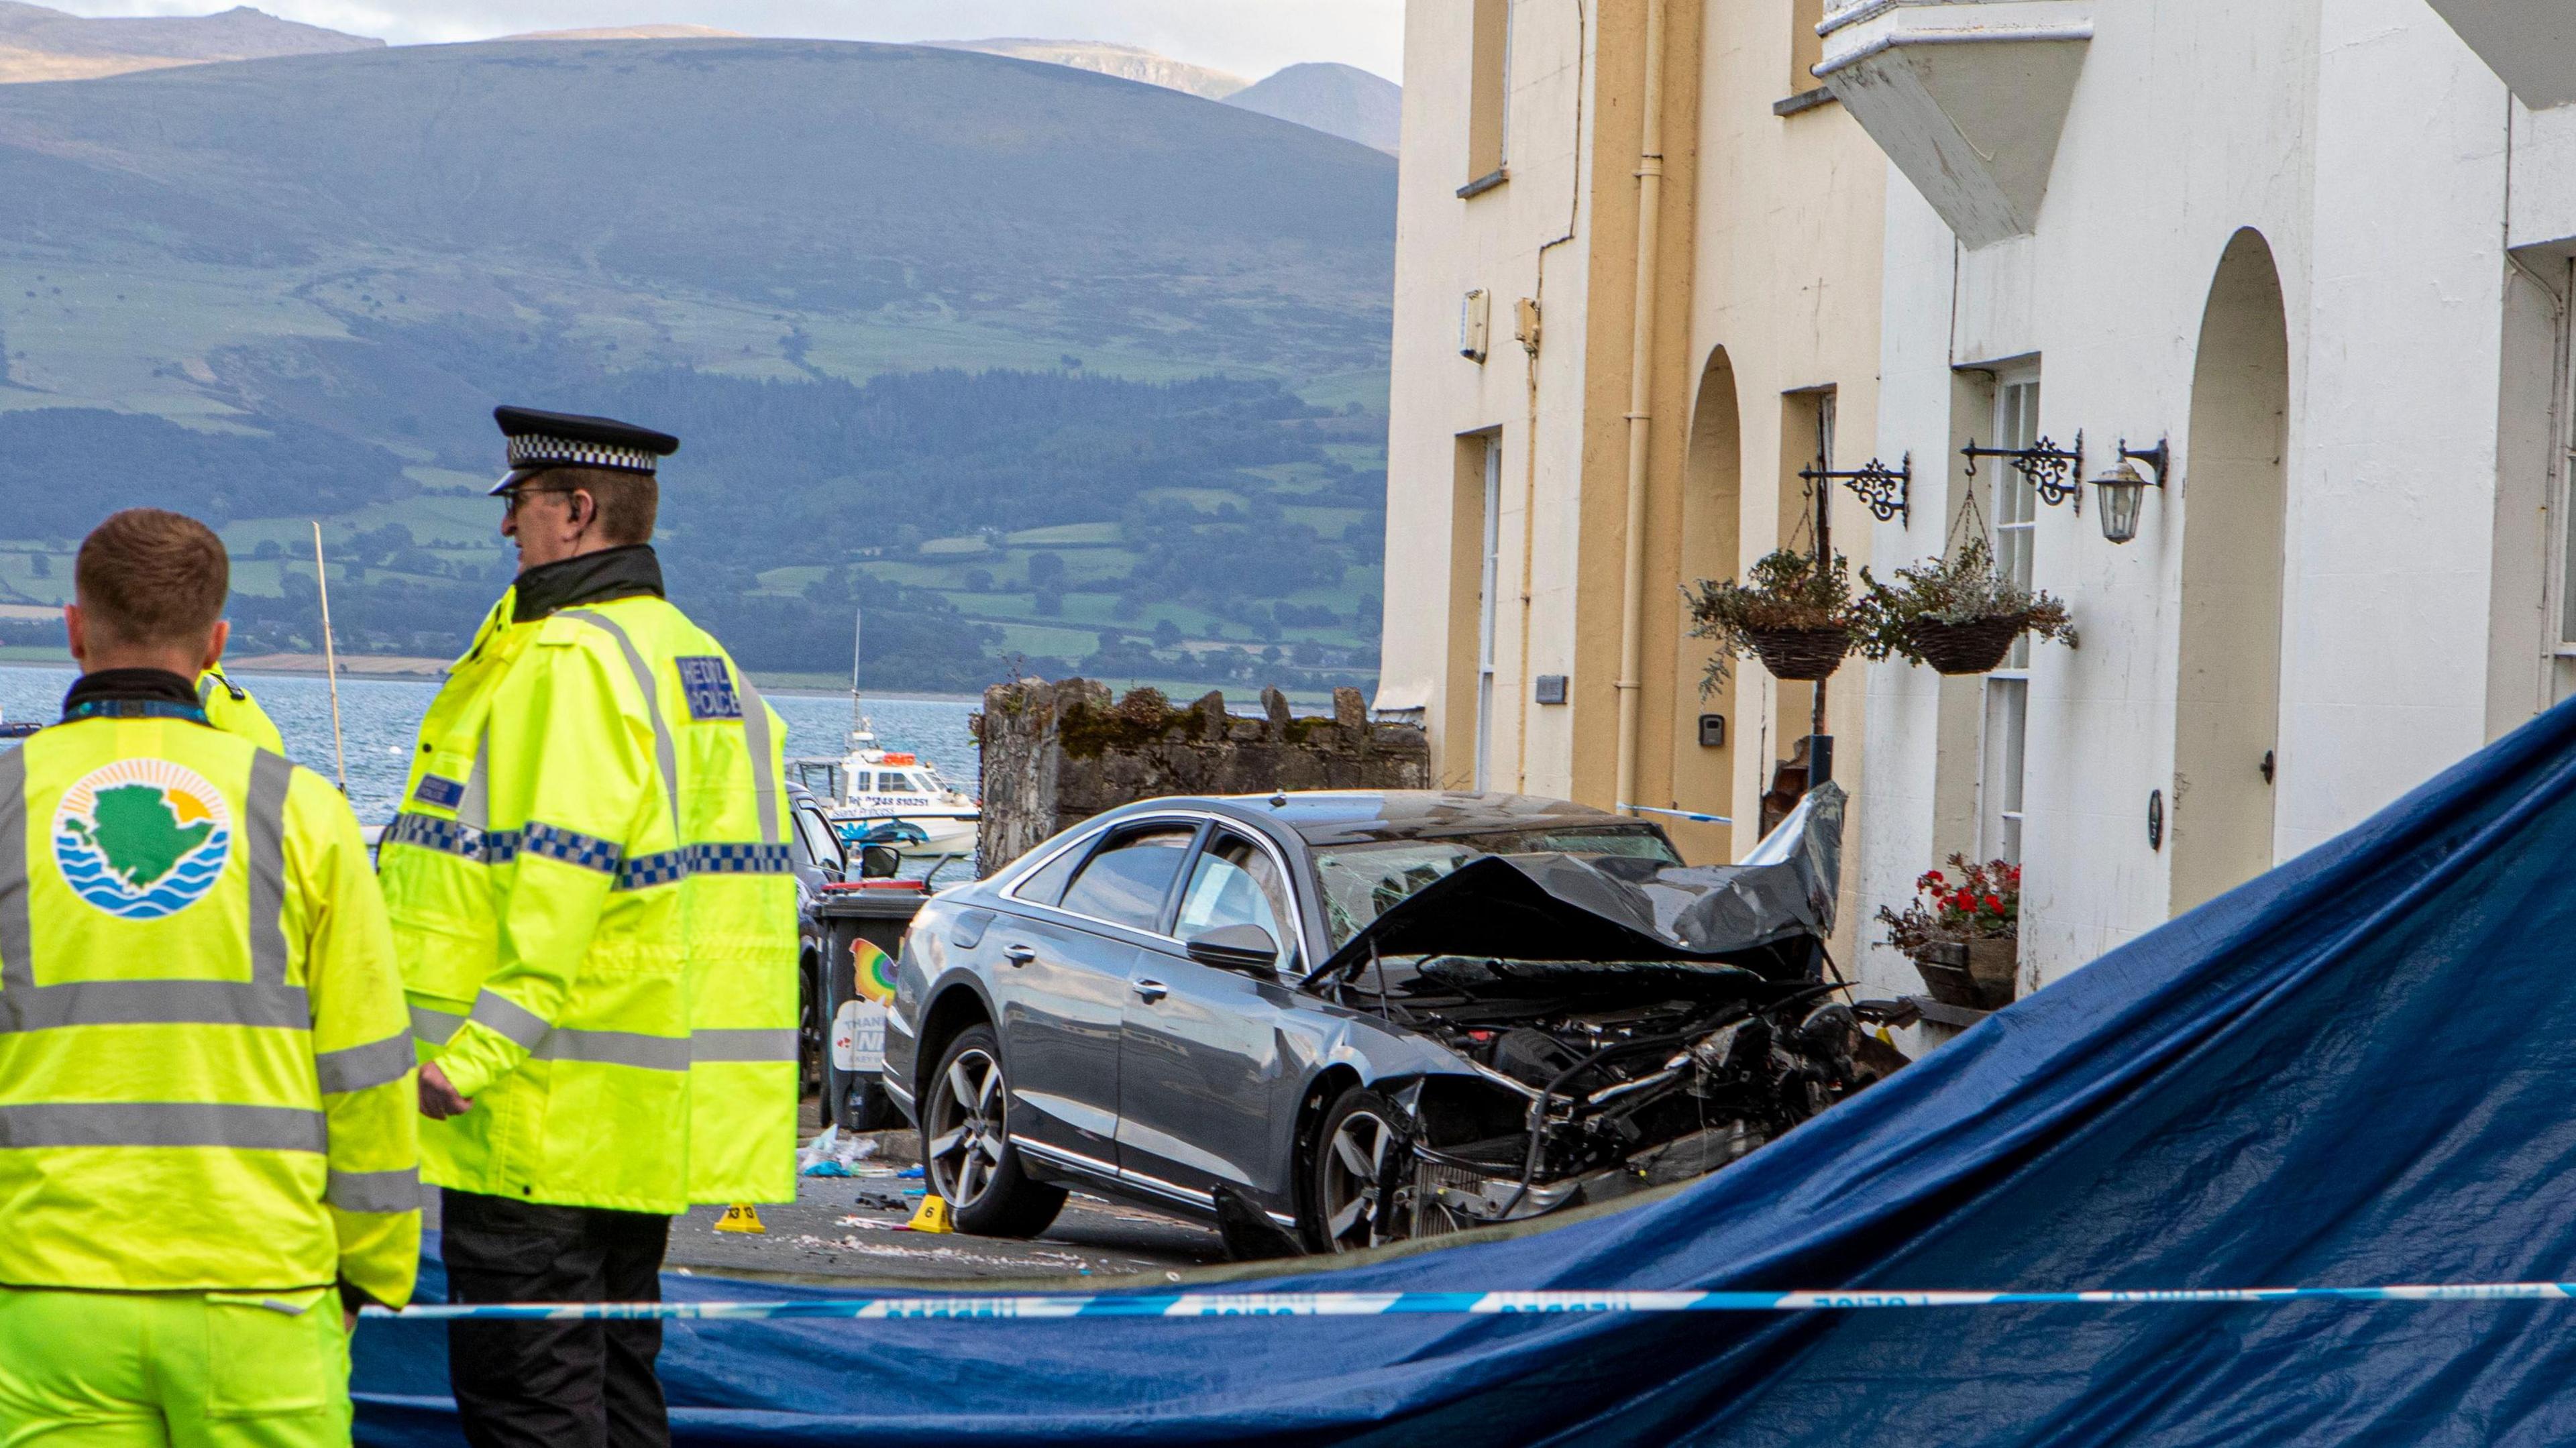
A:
x: 542, y: 440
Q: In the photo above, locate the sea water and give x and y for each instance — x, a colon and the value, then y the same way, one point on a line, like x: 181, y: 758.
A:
x: 380, y: 724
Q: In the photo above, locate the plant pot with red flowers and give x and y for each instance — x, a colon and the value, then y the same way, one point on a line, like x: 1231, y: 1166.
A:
x: 1956, y: 614
x: 1963, y: 933
x: 1795, y: 615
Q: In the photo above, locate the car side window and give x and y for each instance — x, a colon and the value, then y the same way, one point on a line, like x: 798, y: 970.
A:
x: 1237, y: 883
x: 821, y: 844
x: 1127, y: 879
x: 1045, y: 886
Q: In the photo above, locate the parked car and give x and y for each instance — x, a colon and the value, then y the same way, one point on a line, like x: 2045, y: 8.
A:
x: 1328, y: 1021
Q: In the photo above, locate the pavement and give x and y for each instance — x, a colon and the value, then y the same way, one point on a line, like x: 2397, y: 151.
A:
x: 849, y: 1227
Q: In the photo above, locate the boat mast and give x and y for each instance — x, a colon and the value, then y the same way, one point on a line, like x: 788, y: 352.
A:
x: 858, y: 631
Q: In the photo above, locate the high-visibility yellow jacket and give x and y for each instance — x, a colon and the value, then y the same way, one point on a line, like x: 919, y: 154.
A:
x: 593, y: 901
x: 205, y: 1081
x: 231, y: 708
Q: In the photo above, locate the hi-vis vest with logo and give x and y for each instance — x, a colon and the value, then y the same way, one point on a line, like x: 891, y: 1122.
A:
x: 205, y: 1071
x: 594, y: 904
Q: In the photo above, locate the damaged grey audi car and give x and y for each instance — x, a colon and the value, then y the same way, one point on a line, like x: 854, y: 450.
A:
x: 1329, y: 1021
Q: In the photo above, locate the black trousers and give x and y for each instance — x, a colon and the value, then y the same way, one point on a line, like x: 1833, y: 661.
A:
x: 554, y: 1384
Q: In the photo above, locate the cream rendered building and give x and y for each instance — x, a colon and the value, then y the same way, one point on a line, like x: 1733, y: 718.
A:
x: 1559, y: 473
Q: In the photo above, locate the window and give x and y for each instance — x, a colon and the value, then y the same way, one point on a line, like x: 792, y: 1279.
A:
x: 1488, y: 111
x: 2016, y: 520
x: 1127, y: 881
x: 1363, y: 882
x: 1045, y: 885
x: 819, y: 841
x: 1237, y: 883
x: 1486, y: 608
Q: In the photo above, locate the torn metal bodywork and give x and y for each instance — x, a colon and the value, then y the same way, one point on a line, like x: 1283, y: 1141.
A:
x: 1618, y: 1025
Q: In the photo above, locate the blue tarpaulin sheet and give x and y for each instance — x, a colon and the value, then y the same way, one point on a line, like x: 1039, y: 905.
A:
x: 2358, y: 1069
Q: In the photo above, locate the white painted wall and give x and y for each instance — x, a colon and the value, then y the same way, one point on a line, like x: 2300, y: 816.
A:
x: 2367, y: 144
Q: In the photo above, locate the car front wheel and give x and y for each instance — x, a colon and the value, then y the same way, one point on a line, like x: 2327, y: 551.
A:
x: 966, y: 1144
x: 1357, y: 1153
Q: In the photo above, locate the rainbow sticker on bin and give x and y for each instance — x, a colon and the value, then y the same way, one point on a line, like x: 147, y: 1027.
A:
x: 142, y: 838
x: 873, y: 971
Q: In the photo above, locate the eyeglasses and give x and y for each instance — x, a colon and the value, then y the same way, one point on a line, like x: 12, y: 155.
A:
x: 511, y: 500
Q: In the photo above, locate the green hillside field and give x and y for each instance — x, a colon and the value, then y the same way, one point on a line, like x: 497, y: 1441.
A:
x: 1025, y: 361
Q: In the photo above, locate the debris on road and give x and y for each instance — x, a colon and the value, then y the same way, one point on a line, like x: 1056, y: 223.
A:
x: 833, y: 1154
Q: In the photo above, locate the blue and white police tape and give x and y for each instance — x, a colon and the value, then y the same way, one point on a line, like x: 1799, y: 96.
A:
x: 1382, y: 1304
x: 1679, y: 814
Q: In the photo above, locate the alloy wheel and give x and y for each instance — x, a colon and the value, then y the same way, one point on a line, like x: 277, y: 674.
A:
x: 1354, y: 1166
x: 967, y: 1131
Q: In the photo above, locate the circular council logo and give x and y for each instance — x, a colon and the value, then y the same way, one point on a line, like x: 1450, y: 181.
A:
x: 142, y: 838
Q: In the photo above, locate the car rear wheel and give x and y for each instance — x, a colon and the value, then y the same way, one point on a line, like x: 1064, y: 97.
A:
x: 966, y: 1144
x: 1348, y: 1206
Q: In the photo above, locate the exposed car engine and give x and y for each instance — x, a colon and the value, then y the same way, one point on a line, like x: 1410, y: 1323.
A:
x: 1596, y: 1079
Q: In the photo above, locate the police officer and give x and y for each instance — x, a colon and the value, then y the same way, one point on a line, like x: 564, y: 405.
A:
x: 231, y: 708
x: 207, y: 1137
x: 593, y: 903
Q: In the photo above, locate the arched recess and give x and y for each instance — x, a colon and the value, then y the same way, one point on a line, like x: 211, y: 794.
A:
x: 2235, y: 495
x: 1711, y: 521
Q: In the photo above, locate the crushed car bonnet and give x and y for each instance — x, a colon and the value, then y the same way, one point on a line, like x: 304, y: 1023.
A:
x: 1611, y: 908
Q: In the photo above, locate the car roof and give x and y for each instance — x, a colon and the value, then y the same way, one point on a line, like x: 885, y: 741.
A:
x: 1327, y: 817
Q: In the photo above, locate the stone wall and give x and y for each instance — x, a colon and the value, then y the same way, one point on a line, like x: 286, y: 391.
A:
x: 1057, y: 754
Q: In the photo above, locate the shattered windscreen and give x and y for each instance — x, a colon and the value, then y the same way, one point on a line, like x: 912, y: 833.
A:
x: 1362, y: 882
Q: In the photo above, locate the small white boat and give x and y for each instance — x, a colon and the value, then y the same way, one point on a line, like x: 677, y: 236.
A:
x: 871, y: 786
x: 890, y: 793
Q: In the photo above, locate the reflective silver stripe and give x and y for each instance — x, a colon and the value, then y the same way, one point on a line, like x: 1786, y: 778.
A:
x: 162, y: 1123
x: 435, y: 1026
x: 270, y: 775
x: 615, y: 1048
x: 374, y: 1191
x: 205, y: 690
x: 17, y: 935
x: 361, y: 1068
x: 663, y: 749
x: 777, y: 1045
x: 764, y: 777
x: 154, y: 1003
x: 474, y: 811
x: 511, y: 1019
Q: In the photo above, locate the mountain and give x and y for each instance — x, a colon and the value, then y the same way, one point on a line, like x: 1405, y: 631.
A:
x: 1026, y: 360
x: 1126, y: 62
x: 38, y: 44
x: 634, y: 32
x: 1339, y: 100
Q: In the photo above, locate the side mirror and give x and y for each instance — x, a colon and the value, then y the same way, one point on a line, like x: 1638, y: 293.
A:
x: 880, y: 862
x: 1246, y: 948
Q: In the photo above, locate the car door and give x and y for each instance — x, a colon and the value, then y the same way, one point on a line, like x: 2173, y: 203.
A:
x: 1061, y: 979
x: 1203, y: 1077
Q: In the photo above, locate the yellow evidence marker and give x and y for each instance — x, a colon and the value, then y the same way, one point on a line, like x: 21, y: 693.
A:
x: 741, y: 1218
x: 930, y: 1216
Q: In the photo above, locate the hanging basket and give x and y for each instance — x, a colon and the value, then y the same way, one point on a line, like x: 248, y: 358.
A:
x: 1976, y: 647
x: 1801, y: 654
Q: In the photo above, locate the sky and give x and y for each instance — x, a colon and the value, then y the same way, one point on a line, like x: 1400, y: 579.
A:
x: 1249, y: 37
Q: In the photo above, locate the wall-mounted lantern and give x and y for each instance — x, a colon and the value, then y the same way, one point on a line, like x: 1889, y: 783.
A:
x: 2124, y: 488
x: 2055, y: 473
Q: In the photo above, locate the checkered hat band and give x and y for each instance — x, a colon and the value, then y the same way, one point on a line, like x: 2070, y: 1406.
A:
x: 556, y: 452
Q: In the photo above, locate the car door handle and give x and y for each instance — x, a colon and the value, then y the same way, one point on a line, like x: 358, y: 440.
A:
x: 1019, y: 954
x: 1150, y: 991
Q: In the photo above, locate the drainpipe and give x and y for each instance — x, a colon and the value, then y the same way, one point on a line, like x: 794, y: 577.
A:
x: 1632, y: 583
